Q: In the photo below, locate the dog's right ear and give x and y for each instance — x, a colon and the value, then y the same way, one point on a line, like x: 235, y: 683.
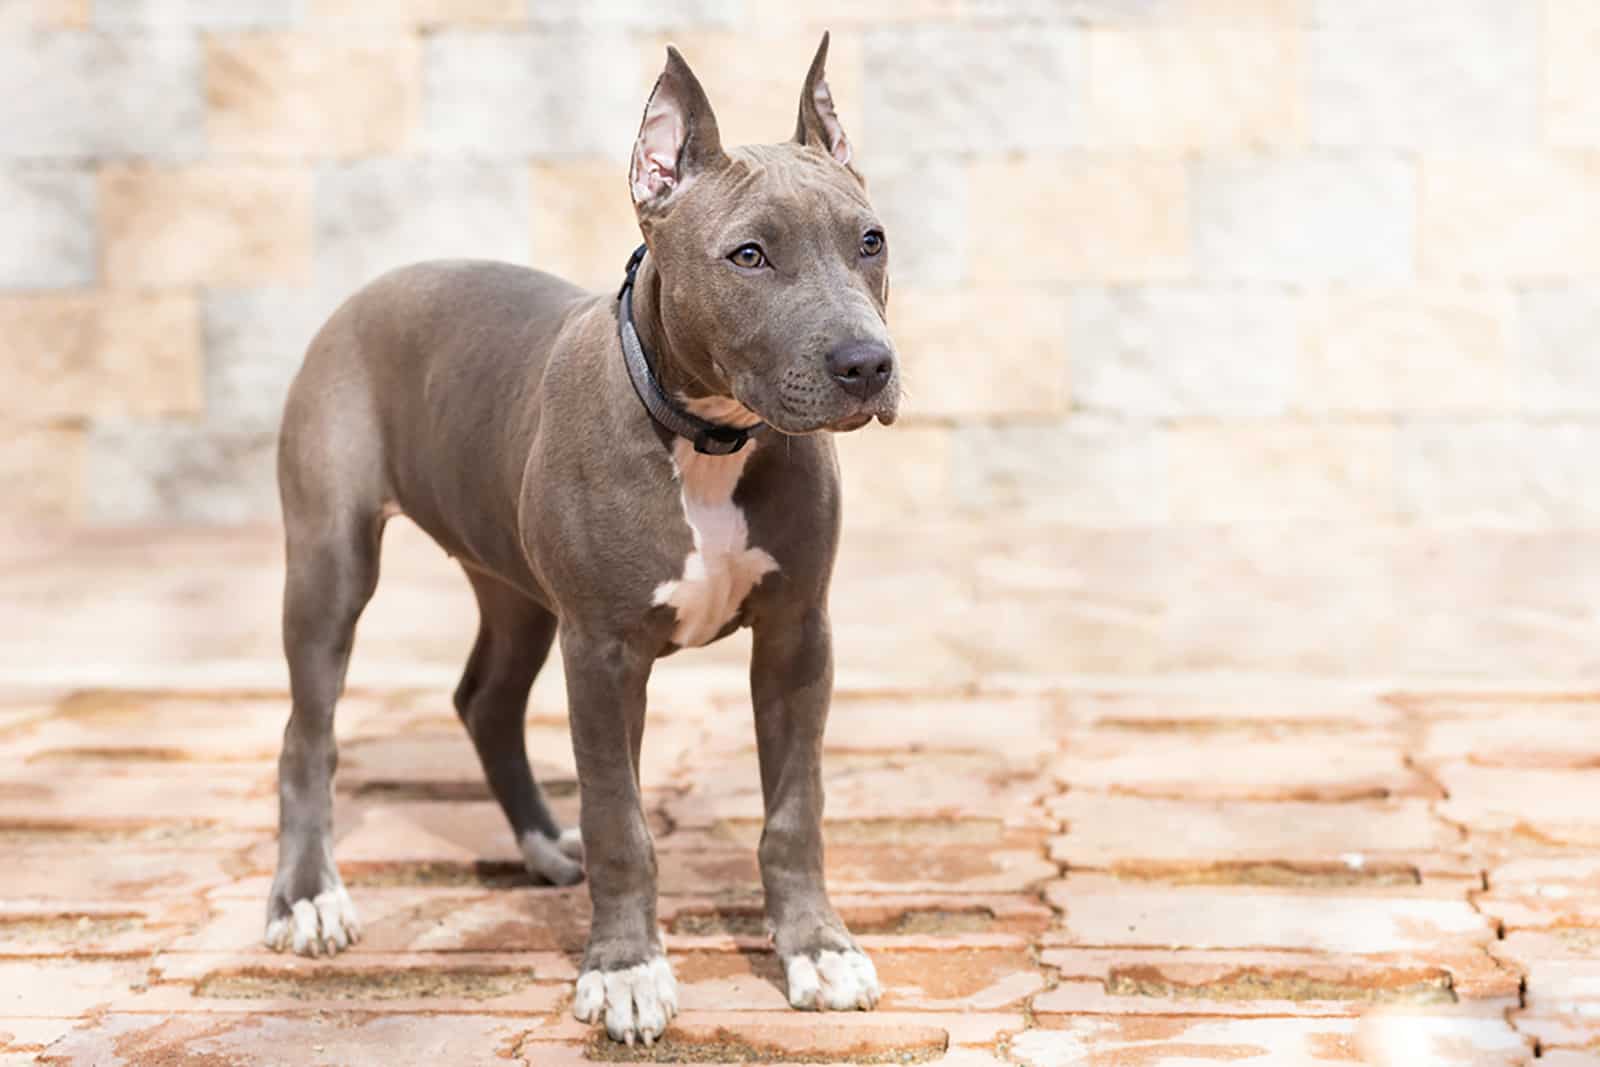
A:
x: 678, y: 138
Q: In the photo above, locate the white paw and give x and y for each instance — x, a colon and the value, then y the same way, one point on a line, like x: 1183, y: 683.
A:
x: 315, y: 926
x: 546, y: 859
x: 638, y: 1001
x: 571, y: 842
x: 834, y: 981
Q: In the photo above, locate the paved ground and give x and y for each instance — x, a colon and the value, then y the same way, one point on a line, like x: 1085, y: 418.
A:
x: 1047, y: 874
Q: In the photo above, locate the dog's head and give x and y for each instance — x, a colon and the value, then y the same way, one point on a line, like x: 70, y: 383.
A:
x: 774, y: 268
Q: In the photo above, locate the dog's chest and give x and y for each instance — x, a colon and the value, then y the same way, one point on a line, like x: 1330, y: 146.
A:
x: 722, y: 567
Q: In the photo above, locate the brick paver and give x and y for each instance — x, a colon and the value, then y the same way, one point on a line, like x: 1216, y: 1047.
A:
x: 1046, y: 875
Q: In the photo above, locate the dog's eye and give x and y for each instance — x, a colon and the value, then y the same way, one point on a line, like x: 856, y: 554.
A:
x: 749, y: 256
x: 872, y: 243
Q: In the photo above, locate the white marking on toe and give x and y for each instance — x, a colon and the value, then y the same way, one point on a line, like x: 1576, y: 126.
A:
x: 835, y: 981
x: 306, y: 942
x: 590, y: 996
x: 638, y: 1002
x: 322, y: 925
x: 722, y: 568
x: 805, y: 987
x: 331, y: 919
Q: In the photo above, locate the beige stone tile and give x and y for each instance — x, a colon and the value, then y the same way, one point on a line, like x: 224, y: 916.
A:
x: 1424, y: 75
x: 302, y: 94
x: 1242, y: 593
x: 1353, y: 843
x: 97, y: 354
x: 988, y: 350
x: 56, y: 13
x: 1290, y: 216
x: 48, y: 225
x: 178, y: 15
x: 1537, y: 735
x: 1538, y: 806
x: 419, y: 12
x: 1520, y: 216
x: 1239, y: 703
x: 1083, y: 469
x: 1069, y: 600
x: 1175, y: 350
x: 558, y: 91
x: 1498, y: 472
x: 754, y: 78
x: 406, y: 1040
x: 1478, y: 601
x: 1571, y: 81
x: 1078, y: 218
x: 65, y: 987
x: 1445, y: 1041
x: 1181, y: 88
x: 584, y: 226
x: 1103, y: 911
x: 41, y: 476
x: 1281, y: 470
x: 205, y: 224
x: 964, y: 88
x: 1143, y: 12
x: 1225, y: 12
x: 895, y: 474
x: 1126, y: 981
x: 846, y: 15
x: 1406, y: 349
x: 1290, y: 767
x: 1556, y: 328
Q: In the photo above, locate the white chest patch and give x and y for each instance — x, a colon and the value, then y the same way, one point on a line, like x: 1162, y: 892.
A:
x: 722, y: 568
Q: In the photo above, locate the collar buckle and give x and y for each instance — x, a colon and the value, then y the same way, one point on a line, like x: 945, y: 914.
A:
x: 720, y: 440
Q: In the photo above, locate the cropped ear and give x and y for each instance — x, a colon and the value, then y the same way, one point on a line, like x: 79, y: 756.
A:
x: 819, y: 123
x: 678, y: 137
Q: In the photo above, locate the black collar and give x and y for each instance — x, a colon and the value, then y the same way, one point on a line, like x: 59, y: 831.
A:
x: 709, y: 438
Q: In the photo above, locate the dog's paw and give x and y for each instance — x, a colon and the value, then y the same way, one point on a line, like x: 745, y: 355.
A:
x: 832, y: 980
x: 316, y: 926
x: 548, y: 860
x: 637, y: 1002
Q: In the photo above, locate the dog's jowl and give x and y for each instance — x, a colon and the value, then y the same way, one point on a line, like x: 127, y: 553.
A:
x: 635, y: 471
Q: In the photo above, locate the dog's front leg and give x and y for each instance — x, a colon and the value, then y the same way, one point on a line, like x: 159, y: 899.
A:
x: 625, y: 975
x: 791, y: 682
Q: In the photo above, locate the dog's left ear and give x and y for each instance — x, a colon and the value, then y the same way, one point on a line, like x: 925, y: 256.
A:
x: 819, y: 122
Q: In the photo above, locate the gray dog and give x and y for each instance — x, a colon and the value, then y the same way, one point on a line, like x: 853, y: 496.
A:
x: 638, y: 472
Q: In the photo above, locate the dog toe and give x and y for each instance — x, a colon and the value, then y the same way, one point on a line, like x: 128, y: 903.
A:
x: 834, y: 980
x: 322, y: 925
x: 636, y: 1002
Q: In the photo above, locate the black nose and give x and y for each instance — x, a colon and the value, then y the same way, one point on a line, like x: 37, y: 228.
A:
x: 862, y: 368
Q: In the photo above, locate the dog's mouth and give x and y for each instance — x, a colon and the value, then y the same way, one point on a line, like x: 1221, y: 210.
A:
x: 856, y: 422
x: 847, y: 424
x: 799, y: 423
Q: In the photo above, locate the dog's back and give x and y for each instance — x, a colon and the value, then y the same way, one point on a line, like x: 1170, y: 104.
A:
x: 422, y: 390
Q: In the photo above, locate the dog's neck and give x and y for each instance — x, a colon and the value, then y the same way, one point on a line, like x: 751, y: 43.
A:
x: 691, y: 378
x: 688, y: 376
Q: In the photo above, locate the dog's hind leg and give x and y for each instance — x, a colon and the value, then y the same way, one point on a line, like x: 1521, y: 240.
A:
x: 514, y: 638
x: 332, y: 484
x: 333, y: 526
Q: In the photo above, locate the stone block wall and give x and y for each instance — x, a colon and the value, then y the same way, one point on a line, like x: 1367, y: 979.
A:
x: 1273, y: 321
